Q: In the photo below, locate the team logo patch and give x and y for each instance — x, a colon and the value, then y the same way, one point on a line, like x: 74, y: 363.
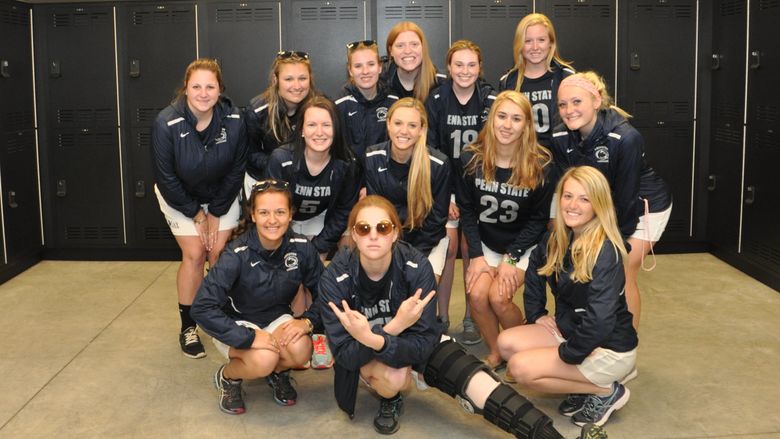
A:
x: 291, y: 261
x: 381, y: 114
x: 484, y: 115
x: 222, y: 137
x: 602, y: 154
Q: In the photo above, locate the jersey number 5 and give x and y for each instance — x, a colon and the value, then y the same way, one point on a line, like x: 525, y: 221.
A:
x: 509, y: 207
x: 309, y: 206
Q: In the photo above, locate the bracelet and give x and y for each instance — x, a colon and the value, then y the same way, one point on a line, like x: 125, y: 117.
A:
x: 309, y: 324
x: 511, y: 261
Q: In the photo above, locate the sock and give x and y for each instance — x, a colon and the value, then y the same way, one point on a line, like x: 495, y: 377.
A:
x: 186, y: 319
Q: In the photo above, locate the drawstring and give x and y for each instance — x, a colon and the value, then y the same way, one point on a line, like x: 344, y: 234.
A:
x: 647, y: 238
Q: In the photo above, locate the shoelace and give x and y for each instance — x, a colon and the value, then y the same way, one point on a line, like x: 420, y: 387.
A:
x: 191, y: 337
x: 232, y: 390
x: 283, y: 383
x: 593, y: 408
x: 388, y: 408
x: 320, y: 348
x: 468, y: 326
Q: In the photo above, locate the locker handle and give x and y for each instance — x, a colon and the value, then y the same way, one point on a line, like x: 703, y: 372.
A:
x: 140, y: 189
x: 756, y: 54
x: 12, y: 200
x: 716, y: 57
x: 750, y: 197
x: 635, y: 64
x: 135, y: 68
x: 54, y: 68
x: 4, y: 71
x: 62, y: 188
x: 713, y: 179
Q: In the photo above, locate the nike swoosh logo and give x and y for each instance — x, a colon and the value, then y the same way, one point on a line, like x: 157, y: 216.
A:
x: 352, y: 113
x: 254, y: 263
x: 568, y: 150
x: 381, y: 169
x: 184, y: 135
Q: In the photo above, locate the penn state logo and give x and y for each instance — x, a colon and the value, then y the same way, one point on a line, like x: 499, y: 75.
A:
x: 291, y: 261
x: 222, y: 137
x: 602, y: 154
x: 381, y: 114
x: 484, y: 115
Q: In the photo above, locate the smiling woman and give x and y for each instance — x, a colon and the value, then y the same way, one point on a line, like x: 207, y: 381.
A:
x: 410, y: 72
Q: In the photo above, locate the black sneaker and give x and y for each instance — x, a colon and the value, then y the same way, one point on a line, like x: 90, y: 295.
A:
x: 386, y: 419
x: 230, y: 399
x: 590, y: 431
x: 597, y: 409
x: 190, y: 343
x: 572, y: 404
x: 284, y: 393
x: 443, y: 324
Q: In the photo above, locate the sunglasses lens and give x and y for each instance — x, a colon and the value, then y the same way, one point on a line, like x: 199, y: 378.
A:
x: 384, y: 228
x: 362, y: 229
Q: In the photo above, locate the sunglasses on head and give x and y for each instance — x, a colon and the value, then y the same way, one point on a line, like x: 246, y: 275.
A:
x: 384, y: 228
x: 367, y: 43
x: 284, y: 54
x: 263, y: 185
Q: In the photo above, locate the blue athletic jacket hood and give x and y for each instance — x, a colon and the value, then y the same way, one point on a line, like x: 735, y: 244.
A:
x: 190, y: 171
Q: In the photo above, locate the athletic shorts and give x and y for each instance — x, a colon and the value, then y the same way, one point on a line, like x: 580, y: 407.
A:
x: 182, y: 225
x: 249, y: 181
x: 605, y: 366
x: 310, y: 227
x: 438, y: 255
x: 652, y: 225
x: 494, y: 259
x: 224, y: 349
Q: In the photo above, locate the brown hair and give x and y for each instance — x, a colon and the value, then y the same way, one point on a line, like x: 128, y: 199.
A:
x: 465, y: 45
x: 251, y: 202
x: 519, y: 41
x: 201, y: 64
x: 426, y: 77
x: 280, y: 126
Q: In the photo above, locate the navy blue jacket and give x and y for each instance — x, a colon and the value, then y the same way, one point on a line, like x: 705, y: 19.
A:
x: 248, y: 283
x: 410, y: 271
x: 261, y: 138
x: 190, y: 171
x: 616, y: 149
x: 589, y: 315
x: 437, y: 104
x: 364, y: 121
x: 342, y: 178
x: 389, y: 71
x: 380, y: 181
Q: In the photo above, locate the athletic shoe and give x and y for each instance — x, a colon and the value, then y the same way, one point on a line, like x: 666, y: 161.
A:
x: 303, y: 366
x: 597, y: 409
x: 284, y: 393
x: 443, y: 324
x: 230, y: 399
x: 509, y: 378
x: 471, y: 334
x: 572, y: 404
x: 321, y: 358
x: 590, y: 431
x: 631, y: 375
x: 190, y: 343
x: 386, y: 419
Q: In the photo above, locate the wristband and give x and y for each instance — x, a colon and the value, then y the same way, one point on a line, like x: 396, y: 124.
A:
x: 309, y: 324
x: 511, y: 261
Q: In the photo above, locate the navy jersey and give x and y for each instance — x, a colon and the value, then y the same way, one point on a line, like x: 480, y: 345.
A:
x: 508, y: 219
x: 364, y: 121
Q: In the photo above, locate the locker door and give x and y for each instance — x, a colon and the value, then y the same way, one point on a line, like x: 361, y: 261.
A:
x: 586, y: 34
x: 657, y: 87
x: 79, y: 75
x: 760, y: 234
x: 323, y: 29
x: 431, y: 16
x: 725, y: 175
x: 157, y: 42
x: 244, y: 37
x: 473, y: 19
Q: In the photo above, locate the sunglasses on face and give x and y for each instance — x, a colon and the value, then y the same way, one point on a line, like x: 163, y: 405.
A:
x: 284, y: 54
x: 354, y: 45
x: 384, y: 228
x: 263, y: 185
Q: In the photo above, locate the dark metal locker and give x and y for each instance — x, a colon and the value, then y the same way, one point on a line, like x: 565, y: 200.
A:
x: 15, y: 68
x: 323, y: 29
x: 156, y: 43
x: 491, y: 25
x: 727, y: 66
x: 77, y: 68
x: 431, y: 15
x: 244, y: 37
x: 586, y: 34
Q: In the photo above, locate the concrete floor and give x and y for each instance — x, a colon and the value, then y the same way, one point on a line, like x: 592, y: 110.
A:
x: 90, y: 349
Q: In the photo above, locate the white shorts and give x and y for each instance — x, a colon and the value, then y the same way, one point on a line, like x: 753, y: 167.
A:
x: 182, y: 225
x: 310, y: 227
x: 652, y: 225
x: 224, y: 349
x: 438, y: 255
x: 249, y: 181
x: 605, y: 366
x: 494, y: 259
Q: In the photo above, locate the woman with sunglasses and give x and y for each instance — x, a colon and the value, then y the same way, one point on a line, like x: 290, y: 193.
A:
x: 244, y: 301
x: 589, y: 346
x: 538, y: 71
x: 597, y: 133
x: 363, y: 107
x: 273, y: 116
x: 415, y: 178
x: 504, y: 196
x: 456, y: 112
x: 409, y: 71
x: 199, y: 149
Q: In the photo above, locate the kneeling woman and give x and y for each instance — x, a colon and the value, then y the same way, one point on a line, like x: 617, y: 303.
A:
x: 589, y: 346
x: 244, y: 302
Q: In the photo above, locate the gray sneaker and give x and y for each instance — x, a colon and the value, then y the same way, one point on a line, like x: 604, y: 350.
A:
x: 471, y: 334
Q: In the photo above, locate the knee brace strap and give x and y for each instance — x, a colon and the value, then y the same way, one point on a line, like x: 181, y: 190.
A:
x: 450, y: 369
x: 513, y: 413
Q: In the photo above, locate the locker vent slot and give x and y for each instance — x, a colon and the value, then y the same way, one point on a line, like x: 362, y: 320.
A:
x: 728, y: 135
x: 84, y: 140
x: 764, y: 252
x: 82, y: 117
x: 19, y: 120
x: 728, y: 110
x: 767, y: 113
x: 582, y: 11
x: 766, y: 139
x: 144, y: 140
x: 79, y: 19
x: 681, y: 108
x: 412, y: 12
x: 768, y: 4
x: 497, y: 11
x: 158, y: 233
x: 732, y: 7
x: 91, y: 233
x: 681, y: 133
x: 13, y: 17
x: 329, y: 13
x: 146, y: 115
x: 663, y: 11
x: 145, y: 18
x: 241, y: 15
x: 17, y: 144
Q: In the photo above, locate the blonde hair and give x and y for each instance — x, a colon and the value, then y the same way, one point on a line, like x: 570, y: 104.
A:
x: 209, y: 64
x: 601, y: 86
x: 529, y: 159
x: 419, y: 196
x: 519, y: 41
x: 465, y: 45
x: 361, y: 46
x: 280, y: 126
x: 586, y: 248
x: 426, y: 77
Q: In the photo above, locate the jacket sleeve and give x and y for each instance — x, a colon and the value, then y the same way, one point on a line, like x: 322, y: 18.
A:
x: 212, y: 297
x: 535, y: 294
x: 231, y: 184
x: 436, y: 219
x: 468, y: 204
x: 274, y: 167
x: 536, y: 224
x: 626, y: 185
x: 311, y: 278
x: 433, y: 139
x: 601, y: 311
x: 338, y: 211
x: 256, y: 155
x: 168, y: 181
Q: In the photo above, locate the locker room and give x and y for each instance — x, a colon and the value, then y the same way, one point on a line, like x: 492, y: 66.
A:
x: 88, y: 266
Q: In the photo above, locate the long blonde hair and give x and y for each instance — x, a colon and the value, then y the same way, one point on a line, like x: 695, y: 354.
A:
x: 601, y: 86
x: 419, y: 196
x: 519, y: 41
x: 426, y: 77
x: 277, y: 121
x: 529, y: 159
x: 585, y: 249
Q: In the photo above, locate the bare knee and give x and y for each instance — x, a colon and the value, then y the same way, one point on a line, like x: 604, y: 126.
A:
x: 522, y: 369
x: 259, y: 362
x: 396, y: 380
x: 300, y: 351
x: 500, y: 304
x: 478, y: 299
